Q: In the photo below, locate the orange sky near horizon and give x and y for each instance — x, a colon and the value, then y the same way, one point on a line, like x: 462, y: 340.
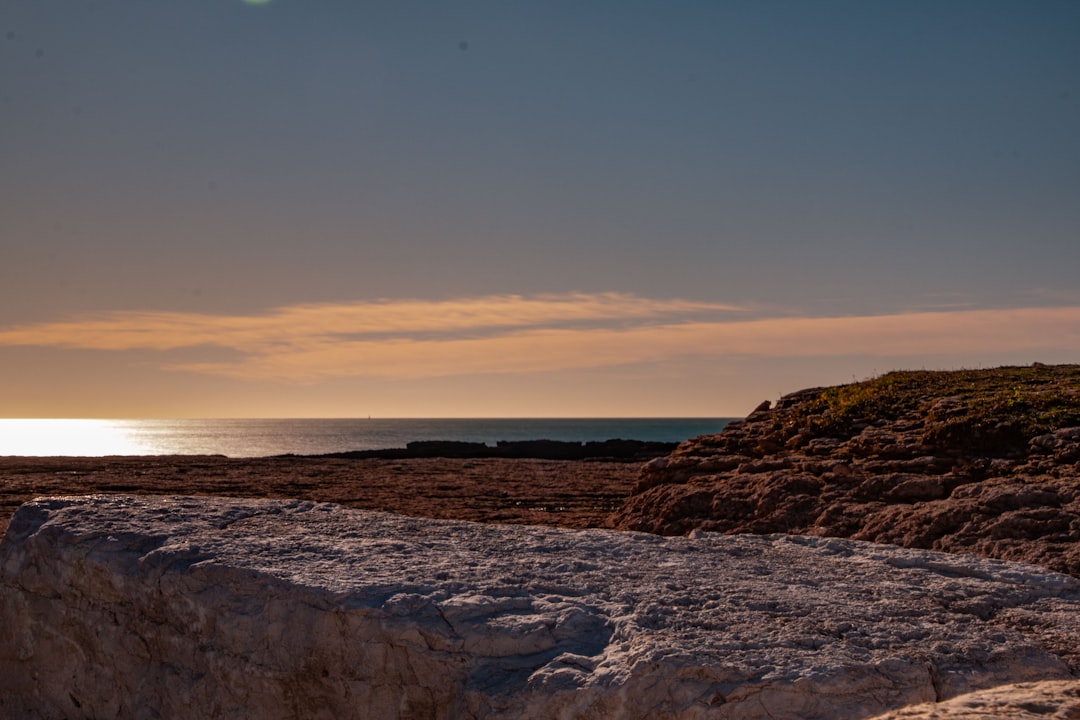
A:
x: 558, y: 355
x: 490, y: 209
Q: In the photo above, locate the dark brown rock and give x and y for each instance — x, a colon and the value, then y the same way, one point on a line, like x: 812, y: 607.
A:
x: 984, y: 462
x: 536, y: 492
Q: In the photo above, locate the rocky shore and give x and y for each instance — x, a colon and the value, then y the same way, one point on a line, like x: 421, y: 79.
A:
x: 981, y: 461
x: 565, y: 493
x: 193, y: 607
x: 780, y: 591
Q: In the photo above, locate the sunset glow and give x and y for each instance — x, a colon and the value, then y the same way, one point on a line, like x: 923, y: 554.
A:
x: 492, y: 209
x: 520, y: 336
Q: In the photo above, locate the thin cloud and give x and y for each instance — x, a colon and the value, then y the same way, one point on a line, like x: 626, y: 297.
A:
x: 303, y: 325
x: 980, y: 332
x: 517, y: 335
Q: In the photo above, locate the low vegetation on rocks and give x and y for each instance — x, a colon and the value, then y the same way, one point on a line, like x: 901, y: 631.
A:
x: 972, y: 461
x: 995, y: 412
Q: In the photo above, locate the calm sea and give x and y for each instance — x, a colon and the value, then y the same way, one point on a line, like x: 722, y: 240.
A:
x: 254, y: 438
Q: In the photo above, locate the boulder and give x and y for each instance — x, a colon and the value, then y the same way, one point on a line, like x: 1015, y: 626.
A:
x: 183, y: 607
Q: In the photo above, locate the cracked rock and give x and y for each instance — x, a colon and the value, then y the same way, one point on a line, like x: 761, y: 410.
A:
x: 182, y: 607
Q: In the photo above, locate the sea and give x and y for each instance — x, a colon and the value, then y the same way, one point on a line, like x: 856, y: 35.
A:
x: 265, y: 437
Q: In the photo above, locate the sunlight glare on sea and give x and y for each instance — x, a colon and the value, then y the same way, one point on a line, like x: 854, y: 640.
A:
x: 255, y: 437
x: 68, y: 437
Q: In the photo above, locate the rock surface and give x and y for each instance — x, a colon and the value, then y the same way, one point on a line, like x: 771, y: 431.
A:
x: 533, y: 492
x: 181, y: 607
x: 1048, y: 700
x: 984, y: 462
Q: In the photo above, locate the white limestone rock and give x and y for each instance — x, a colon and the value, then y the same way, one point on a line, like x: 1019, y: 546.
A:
x: 146, y: 607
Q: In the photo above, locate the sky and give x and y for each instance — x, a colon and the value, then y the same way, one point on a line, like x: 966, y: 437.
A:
x: 342, y: 208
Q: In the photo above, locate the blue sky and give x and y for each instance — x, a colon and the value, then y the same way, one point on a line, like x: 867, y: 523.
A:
x: 661, y: 168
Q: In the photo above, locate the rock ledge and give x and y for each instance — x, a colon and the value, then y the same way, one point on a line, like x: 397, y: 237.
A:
x: 180, y: 607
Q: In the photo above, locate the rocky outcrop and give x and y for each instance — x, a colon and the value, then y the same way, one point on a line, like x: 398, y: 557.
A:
x: 182, y: 607
x: 566, y: 493
x: 1048, y: 700
x: 614, y: 450
x: 984, y: 462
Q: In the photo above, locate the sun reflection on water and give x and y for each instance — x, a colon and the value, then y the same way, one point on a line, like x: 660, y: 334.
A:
x: 68, y: 437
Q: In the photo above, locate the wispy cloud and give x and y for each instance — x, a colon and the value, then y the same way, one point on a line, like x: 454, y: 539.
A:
x: 513, y: 334
x: 302, y: 325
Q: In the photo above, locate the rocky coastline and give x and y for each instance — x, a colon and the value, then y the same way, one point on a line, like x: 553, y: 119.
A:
x: 190, y: 607
x: 564, y: 493
x: 613, y: 450
x: 907, y: 546
x: 975, y: 461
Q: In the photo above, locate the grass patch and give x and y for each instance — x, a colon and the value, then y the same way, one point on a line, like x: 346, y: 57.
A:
x: 1031, y: 400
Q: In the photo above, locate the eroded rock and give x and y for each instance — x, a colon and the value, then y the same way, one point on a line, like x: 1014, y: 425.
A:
x: 984, y: 462
x: 1048, y: 700
x: 120, y: 607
